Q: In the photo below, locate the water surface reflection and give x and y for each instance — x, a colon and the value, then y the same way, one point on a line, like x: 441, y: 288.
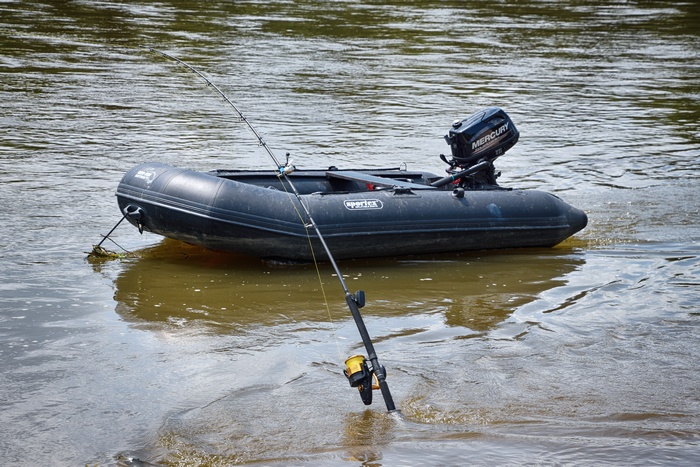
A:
x: 173, y: 284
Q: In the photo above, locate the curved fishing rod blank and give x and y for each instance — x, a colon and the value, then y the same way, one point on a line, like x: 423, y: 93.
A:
x: 363, y: 381
x: 261, y: 141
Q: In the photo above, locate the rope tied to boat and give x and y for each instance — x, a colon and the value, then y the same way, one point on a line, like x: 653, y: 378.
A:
x: 98, y: 251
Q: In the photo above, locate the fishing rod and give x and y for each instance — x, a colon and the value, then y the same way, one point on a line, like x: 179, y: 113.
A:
x: 359, y: 373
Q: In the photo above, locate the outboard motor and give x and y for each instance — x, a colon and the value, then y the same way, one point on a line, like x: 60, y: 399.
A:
x: 478, y: 140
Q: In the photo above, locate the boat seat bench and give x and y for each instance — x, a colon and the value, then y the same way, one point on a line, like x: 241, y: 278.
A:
x: 375, y: 180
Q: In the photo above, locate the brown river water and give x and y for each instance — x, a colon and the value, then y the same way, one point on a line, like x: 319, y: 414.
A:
x: 584, y: 354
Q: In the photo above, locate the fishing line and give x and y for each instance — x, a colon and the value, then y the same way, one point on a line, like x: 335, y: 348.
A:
x: 362, y: 377
x: 323, y: 294
x: 318, y: 271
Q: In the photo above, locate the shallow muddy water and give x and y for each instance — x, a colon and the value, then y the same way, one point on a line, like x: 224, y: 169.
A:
x: 583, y: 354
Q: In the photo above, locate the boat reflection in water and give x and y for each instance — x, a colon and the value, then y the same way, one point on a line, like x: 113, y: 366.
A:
x: 174, y: 284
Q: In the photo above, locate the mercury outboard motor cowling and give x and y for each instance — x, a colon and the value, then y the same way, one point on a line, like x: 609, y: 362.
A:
x: 483, y: 136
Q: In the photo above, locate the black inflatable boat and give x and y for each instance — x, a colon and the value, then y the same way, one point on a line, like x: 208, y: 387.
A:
x: 360, y: 212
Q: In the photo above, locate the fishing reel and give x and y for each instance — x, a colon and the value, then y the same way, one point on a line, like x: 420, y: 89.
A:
x: 477, y: 141
x: 361, y: 376
x: 359, y: 373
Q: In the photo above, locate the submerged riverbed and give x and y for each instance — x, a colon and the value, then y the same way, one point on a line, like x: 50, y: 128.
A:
x: 581, y: 354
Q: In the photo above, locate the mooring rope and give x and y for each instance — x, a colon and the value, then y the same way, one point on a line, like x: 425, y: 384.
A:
x: 98, y: 251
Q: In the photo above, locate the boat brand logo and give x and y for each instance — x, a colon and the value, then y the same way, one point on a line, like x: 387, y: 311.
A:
x: 363, y: 204
x: 146, y: 175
